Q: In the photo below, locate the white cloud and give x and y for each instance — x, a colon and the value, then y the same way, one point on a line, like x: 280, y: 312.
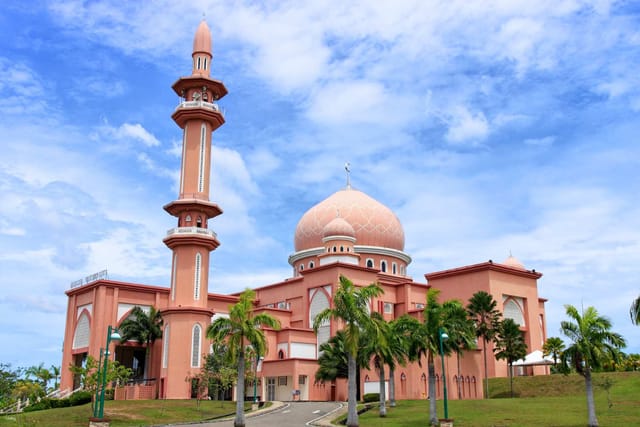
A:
x: 465, y: 126
x: 541, y: 142
x: 136, y: 131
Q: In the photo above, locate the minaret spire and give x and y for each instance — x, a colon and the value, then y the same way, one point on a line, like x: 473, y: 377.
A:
x: 347, y: 168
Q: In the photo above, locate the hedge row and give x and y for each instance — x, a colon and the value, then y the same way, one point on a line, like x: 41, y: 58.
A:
x: 77, y: 398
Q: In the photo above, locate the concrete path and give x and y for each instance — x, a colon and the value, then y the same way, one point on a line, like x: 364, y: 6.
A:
x: 284, y: 414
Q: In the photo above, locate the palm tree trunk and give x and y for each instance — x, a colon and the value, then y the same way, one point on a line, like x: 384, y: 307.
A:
x: 392, y: 387
x: 352, y: 410
x: 433, y: 415
x: 239, y: 421
x: 591, y: 406
x: 459, y: 376
x: 511, y: 378
x: 486, y: 375
x: 383, y: 397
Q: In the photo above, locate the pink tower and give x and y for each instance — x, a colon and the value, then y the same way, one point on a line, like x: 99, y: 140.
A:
x: 187, y: 315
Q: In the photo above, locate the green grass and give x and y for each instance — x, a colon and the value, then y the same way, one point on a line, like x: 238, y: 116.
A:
x: 555, y: 400
x: 125, y: 413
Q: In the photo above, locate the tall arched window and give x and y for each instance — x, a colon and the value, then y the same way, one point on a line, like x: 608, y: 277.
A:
x: 383, y: 266
x: 369, y: 263
x: 81, y: 336
x: 203, y: 154
x: 173, y: 277
x: 198, y: 274
x: 195, y: 346
x: 165, y: 347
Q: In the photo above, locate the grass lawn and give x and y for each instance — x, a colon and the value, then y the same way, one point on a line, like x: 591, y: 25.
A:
x: 563, y: 403
x: 125, y: 413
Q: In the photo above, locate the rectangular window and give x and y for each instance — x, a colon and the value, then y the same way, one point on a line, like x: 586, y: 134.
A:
x: 282, y: 381
x: 388, y: 308
x: 302, y: 379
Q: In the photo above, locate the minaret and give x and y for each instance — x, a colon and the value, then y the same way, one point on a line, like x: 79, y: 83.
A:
x: 187, y: 316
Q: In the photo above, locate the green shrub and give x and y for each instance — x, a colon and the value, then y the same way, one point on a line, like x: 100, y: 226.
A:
x: 39, y: 406
x: 371, y: 397
x: 80, y: 398
x: 60, y: 403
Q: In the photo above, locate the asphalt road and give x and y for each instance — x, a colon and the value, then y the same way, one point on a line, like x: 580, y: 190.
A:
x: 292, y: 414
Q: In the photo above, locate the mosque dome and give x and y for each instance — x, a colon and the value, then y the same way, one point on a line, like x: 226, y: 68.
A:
x: 514, y: 262
x: 338, y: 227
x: 202, y: 39
x: 374, y: 224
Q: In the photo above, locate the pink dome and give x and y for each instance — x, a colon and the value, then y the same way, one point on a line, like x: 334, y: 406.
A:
x: 512, y: 261
x: 202, y: 39
x: 338, y: 227
x: 374, y: 223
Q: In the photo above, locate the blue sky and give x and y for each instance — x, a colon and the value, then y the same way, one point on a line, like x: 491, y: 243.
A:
x: 488, y: 127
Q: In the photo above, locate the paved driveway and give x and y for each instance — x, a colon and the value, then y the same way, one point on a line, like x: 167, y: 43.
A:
x: 292, y: 414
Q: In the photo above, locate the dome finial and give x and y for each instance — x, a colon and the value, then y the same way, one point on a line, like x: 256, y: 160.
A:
x: 347, y: 167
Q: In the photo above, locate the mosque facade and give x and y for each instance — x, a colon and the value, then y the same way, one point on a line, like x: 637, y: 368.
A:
x: 348, y: 234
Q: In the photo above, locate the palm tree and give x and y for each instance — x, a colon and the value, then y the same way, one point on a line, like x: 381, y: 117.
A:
x: 333, y: 361
x: 242, y: 327
x: 425, y: 339
x: 55, y: 372
x: 553, y: 346
x: 351, y: 306
x: 482, y: 310
x: 398, y: 349
x: 376, y: 345
x: 592, y: 344
x: 510, y: 345
x: 634, y: 311
x: 144, y: 328
x: 462, y: 333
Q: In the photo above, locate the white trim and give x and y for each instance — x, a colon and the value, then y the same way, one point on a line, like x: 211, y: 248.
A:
x: 294, y: 258
x: 174, y: 279
x: 343, y: 238
x: 358, y: 249
x: 184, y: 156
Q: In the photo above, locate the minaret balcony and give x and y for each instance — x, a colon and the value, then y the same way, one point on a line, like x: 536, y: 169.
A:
x: 200, y: 104
x: 191, y: 236
x: 198, y: 110
x: 191, y: 230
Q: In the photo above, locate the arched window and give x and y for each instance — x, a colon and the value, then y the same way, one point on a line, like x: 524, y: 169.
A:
x: 311, y: 264
x: 281, y: 354
x: 81, y: 336
x: 198, y: 67
x: 197, y: 278
x: 369, y: 263
x: 205, y: 63
x: 334, y: 249
x: 195, y: 346
x: 173, y: 277
x: 165, y: 347
x: 394, y: 268
x: 301, y: 267
x: 513, y: 311
x: 383, y: 266
x: 341, y: 248
x: 203, y: 154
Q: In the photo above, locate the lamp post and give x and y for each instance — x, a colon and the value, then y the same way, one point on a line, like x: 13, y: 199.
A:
x: 442, y: 335
x: 98, y: 411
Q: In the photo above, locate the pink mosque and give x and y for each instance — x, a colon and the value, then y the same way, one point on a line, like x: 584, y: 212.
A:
x: 349, y: 233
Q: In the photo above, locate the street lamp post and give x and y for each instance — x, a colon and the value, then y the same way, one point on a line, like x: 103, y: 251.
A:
x: 98, y: 411
x: 442, y: 335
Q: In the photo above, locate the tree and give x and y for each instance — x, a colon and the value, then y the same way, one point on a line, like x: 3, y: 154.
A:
x: 333, y: 361
x: 8, y: 380
x: 553, y: 347
x: 41, y: 374
x: 592, y: 343
x: 144, y: 328
x: 398, y: 348
x: 377, y: 345
x: 634, y: 311
x: 351, y: 306
x: 510, y: 345
x: 242, y: 327
x: 482, y: 310
x: 425, y: 339
x: 55, y: 372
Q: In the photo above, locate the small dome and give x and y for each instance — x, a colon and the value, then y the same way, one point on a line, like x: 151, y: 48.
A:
x: 338, y: 227
x: 374, y: 223
x: 202, y: 39
x: 512, y: 261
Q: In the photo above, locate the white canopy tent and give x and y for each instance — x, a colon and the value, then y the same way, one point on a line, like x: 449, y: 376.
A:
x: 534, y: 358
